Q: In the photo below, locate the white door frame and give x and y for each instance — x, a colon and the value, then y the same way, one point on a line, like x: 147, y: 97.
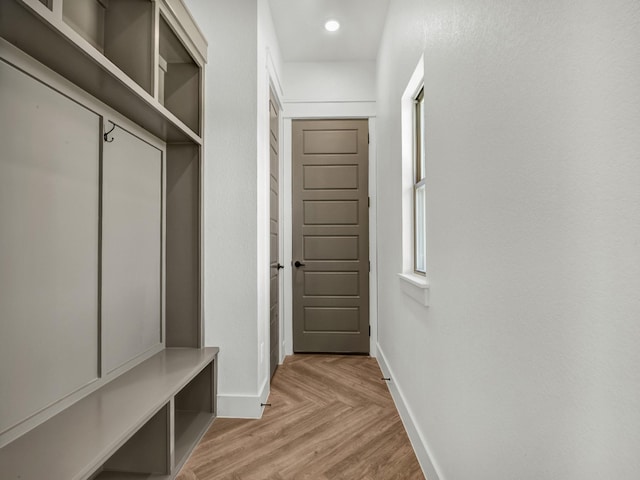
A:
x: 268, y: 81
x: 309, y: 111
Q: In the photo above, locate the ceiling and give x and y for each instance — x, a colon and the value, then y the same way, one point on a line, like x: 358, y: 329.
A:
x: 299, y: 25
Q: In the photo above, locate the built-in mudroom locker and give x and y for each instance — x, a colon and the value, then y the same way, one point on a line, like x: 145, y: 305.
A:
x: 103, y: 373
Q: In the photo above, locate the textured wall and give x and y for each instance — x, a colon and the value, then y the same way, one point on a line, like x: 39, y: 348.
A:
x: 330, y: 81
x: 230, y: 189
x: 525, y: 366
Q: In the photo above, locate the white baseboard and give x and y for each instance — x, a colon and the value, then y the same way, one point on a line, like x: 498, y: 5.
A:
x: 243, y: 406
x: 415, y: 435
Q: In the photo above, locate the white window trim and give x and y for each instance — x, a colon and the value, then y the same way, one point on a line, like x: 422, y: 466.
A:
x: 414, y: 285
x: 419, y: 178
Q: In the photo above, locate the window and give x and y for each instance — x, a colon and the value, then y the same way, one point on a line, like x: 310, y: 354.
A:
x: 419, y: 186
x: 413, y: 276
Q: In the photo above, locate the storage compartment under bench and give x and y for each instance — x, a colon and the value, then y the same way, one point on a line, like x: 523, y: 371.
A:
x: 127, y: 428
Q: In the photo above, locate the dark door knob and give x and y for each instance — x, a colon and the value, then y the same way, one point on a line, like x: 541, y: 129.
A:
x: 298, y: 264
x: 279, y: 267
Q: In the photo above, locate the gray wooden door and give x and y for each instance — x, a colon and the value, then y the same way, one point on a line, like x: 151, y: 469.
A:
x: 330, y: 236
x: 274, y: 204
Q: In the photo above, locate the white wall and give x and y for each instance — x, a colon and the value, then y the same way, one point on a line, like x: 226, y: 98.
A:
x: 330, y: 81
x: 243, y: 56
x: 329, y: 89
x: 230, y: 194
x: 525, y: 365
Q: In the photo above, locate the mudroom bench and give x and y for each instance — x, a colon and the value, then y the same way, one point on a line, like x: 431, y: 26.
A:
x: 141, y: 425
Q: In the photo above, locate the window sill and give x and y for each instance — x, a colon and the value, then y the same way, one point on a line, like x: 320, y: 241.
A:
x: 416, y: 287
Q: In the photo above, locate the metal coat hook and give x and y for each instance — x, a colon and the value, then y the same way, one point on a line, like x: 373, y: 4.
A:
x: 105, y: 136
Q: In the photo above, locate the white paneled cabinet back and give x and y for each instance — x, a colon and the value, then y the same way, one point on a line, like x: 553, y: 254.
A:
x: 103, y: 373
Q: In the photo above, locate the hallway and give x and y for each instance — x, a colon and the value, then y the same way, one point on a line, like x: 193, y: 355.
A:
x: 150, y: 246
x: 332, y: 417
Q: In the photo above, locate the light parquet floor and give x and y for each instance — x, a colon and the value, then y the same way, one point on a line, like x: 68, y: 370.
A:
x: 332, y: 418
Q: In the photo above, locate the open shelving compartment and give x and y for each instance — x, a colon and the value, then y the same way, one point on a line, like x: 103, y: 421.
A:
x: 41, y: 29
x: 146, y: 454
x: 122, y: 30
x: 179, y: 78
x: 194, y: 407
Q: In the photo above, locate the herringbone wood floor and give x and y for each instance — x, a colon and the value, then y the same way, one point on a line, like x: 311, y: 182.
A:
x: 332, y: 417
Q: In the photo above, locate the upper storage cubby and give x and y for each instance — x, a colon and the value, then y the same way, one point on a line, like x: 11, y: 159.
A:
x: 178, y: 78
x: 120, y: 29
x: 144, y: 58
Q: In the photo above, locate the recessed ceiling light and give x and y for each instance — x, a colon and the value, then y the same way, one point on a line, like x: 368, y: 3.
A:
x: 332, y: 25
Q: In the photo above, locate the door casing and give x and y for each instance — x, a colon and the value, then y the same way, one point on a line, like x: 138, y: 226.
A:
x: 274, y: 234
x: 314, y: 110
